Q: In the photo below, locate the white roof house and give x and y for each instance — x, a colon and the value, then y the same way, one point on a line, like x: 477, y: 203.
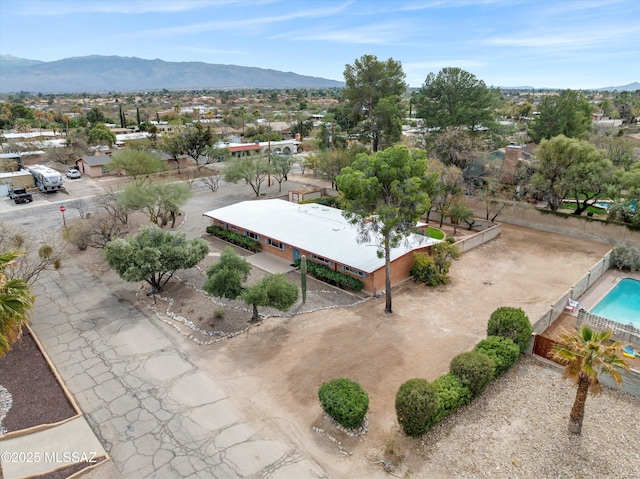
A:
x: 315, y: 228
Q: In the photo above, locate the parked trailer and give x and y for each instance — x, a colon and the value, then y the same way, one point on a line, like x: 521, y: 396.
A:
x: 46, y: 179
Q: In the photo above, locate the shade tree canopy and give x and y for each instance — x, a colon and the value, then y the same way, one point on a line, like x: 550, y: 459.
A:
x: 369, y: 81
x: 154, y: 255
x: 567, y: 114
x: 385, y: 194
x: 226, y: 277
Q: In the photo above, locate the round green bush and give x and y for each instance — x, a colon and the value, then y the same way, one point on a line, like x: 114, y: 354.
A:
x: 510, y: 323
x: 416, y: 406
x: 502, y: 351
x: 452, y: 394
x: 474, y: 369
x: 345, y: 401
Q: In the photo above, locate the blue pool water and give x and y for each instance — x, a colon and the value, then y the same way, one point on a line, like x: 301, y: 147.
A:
x: 622, y: 304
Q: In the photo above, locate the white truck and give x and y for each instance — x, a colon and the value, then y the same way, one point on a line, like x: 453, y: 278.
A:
x: 46, y: 179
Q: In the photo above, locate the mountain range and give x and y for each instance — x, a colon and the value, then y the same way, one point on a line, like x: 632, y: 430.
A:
x: 98, y: 73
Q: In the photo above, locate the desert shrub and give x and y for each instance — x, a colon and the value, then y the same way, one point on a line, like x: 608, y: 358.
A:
x: 234, y: 238
x: 452, y: 394
x: 345, y: 401
x: 433, y: 269
x: 502, y: 351
x: 510, y: 323
x: 626, y: 257
x: 450, y: 240
x: 78, y: 234
x: 416, y: 406
x: 330, y: 276
x: 474, y: 369
x: 218, y: 314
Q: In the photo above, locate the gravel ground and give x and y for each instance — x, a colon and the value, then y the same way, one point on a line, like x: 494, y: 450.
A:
x: 518, y: 429
x: 38, y: 398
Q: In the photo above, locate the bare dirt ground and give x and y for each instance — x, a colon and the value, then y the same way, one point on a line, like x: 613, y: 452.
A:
x: 275, y: 370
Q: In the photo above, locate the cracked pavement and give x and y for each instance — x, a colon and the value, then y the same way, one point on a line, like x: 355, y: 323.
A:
x: 155, y: 413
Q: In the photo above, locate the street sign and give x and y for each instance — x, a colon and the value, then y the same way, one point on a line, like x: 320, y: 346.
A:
x: 62, y: 208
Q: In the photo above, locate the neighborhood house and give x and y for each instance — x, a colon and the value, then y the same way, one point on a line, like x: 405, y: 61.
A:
x: 323, y: 235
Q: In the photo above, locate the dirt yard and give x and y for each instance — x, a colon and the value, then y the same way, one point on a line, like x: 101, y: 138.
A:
x: 274, y: 371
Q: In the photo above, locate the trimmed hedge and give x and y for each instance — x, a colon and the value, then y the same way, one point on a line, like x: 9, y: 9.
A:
x: 452, y: 395
x: 510, y: 323
x: 503, y: 352
x: 474, y: 369
x: 234, y: 238
x: 416, y: 405
x: 345, y: 401
x: 330, y: 276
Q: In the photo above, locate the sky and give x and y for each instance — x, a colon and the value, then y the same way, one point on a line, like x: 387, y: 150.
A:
x: 544, y: 44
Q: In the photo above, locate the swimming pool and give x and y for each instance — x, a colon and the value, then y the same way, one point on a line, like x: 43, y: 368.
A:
x: 622, y: 304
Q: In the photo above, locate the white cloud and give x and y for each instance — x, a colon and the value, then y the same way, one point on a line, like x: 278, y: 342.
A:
x: 380, y: 34
x: 42, y: 8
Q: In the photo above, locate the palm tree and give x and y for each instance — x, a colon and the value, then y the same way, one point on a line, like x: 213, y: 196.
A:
x: 585, y: 354
x: 15, y: 302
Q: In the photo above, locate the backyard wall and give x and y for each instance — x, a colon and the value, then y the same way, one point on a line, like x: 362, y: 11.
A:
x: 584, y: 283
x: 524, y: 214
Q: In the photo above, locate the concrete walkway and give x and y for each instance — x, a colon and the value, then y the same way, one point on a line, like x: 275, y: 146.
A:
x: 50, y: 449
x: 156, y: 414
x: 270, y: 263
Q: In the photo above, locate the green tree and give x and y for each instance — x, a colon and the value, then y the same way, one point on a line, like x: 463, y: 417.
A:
x: 367, y: 82
x: 95, y: 116
x: 273, y: 291
x: 100, y: 134
x: 591, y: 177
x: 195, y: 141
x: 154, y: 255
x: 254, y: 170
x: 568, y: 165
x: 137, y: 163
x: 384, y: 194
x: 161, y: 202
x: 16, y: 300
x: 621, y: 151
x: 455, y: 98
x: 226, y: 277
x: 281, y: 168
x: 567, y: 114
x: 585, y: 354
x: 459, y: 212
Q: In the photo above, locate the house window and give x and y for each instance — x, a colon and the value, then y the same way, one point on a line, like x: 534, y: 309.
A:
x: 223, y: 225
x: 320, y: 259
x: 357, y: 272
x: 233, y: 228
x: 252, y: 235
x: 275, y: 244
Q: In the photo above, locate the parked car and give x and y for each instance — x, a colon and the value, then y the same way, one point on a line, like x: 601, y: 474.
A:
x: 73, y: 173
x: 20, y: 195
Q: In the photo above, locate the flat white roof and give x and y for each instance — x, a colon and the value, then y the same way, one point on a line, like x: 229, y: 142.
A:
x: 315, y: 228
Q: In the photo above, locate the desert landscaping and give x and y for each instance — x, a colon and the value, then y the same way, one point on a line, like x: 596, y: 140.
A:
x: 274, y: 370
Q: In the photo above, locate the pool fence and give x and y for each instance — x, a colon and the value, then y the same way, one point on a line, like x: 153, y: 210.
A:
x: 577, y: 290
